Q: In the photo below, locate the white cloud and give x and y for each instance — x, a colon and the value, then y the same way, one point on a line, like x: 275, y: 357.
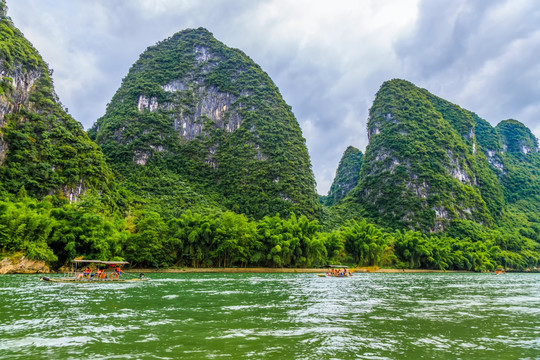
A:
x: 480, y: 55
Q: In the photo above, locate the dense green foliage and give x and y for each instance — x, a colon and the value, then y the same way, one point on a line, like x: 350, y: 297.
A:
x: 47, y: 150
x: 56, y: 231
x: 418, y: 171
x: 465, y: 124
x: 520, y: 177
x: 250, y: 156
x: 515, y: 137
x: 521, y: 159
x: 347, y: 176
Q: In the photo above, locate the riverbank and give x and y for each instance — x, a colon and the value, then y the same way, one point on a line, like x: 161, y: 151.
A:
x: 23, y: 266
x: 278, y: 270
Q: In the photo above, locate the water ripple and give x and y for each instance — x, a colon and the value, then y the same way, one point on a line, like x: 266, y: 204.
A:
x: 273, y: 316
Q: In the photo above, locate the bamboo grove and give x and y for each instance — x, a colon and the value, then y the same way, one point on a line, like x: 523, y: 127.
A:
x: 56, y: 231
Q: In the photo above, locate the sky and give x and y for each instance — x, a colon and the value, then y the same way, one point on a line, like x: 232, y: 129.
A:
x: 328, y: 58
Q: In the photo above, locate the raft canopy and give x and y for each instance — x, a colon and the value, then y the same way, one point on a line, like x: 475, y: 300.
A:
x: 337, y: 266
x: 101, y: 262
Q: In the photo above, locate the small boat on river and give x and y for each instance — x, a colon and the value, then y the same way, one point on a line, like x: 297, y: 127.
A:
x: 96, y: 271
x: 336, y: 271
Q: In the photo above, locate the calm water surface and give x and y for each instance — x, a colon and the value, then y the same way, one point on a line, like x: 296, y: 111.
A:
x: 274, y: 316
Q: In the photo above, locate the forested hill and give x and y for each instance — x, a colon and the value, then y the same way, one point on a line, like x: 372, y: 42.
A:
x: 42, y: 148
x: 347, y: 176
x: 197, y: 110
x: 520, y: 170
x: 435, y: 167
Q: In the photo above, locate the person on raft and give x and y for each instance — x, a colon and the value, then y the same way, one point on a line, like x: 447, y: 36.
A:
x: 118, y: 270
x: 85, y: 273
x: 99, y: 271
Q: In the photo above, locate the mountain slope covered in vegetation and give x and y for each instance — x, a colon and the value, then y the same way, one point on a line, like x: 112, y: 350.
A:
x: 192, y: 107
x: 41, y: 146
x: 347, y: 176
x: 421, y: 170
x: 434, y: 167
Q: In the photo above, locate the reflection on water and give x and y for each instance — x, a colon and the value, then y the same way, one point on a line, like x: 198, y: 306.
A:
x: 274, y: 316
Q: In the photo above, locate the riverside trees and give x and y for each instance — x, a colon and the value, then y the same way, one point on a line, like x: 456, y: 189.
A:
x: 55, y: 231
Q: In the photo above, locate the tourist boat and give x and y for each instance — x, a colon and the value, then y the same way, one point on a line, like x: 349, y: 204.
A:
x: 102, y: 272
x: 336, y: 271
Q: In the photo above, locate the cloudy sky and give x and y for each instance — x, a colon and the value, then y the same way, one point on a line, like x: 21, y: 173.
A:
x: 328, y: 58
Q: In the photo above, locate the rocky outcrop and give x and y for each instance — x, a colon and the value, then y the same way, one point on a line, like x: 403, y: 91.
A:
x: 209, y: 105
x: 19, y: 87
x: 23, y: 266
x: 494, y: 159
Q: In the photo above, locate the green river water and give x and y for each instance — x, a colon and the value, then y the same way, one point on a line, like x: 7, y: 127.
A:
x: 274, y: 316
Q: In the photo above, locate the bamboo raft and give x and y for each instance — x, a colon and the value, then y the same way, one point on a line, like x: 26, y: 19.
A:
x: 101, y: 276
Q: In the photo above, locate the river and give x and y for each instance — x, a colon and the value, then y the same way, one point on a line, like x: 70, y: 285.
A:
x: 274, y: 316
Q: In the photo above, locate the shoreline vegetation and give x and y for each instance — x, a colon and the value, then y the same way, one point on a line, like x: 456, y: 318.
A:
x: 26, y: 266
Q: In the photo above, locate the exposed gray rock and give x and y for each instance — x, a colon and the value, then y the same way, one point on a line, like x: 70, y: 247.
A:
x: 73, y: 193
x: 141, y: 157
x: 204, y: 105
x: 145, y: 103
x: 22, y: 84
x: 175, y: 86
x: 495, y: 160
x: 458, y: 170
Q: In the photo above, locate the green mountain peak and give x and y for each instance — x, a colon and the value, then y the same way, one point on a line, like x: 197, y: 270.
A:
x: 421, y: 169
x: 347, y: 176
x: 516, y: 137
x: 206, y: 112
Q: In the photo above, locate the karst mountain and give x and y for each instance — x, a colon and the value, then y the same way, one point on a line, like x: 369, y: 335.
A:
x: 42, y: 148
x: 430, y: 163
x: 206, y: 113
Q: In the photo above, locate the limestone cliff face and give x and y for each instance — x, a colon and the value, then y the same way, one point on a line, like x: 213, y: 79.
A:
x: 490, y: 142
x: 422, y: 169
x: 19, y: 85
x: 20, y: 82
x: 41, y: 147
x: 207, y: 112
